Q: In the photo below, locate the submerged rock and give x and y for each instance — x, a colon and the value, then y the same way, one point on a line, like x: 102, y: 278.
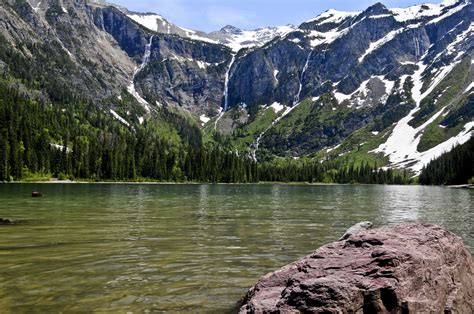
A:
x: 5, y: 221
x: 36, y: 194
x: 407, y: 268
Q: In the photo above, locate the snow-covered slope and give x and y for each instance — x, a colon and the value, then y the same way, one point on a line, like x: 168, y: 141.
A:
x: 237, y: 39
x: 423, y: 11
x: 332, y: 16
x: 159, y: 24
x: 230, y: 36
x: 399, y: 74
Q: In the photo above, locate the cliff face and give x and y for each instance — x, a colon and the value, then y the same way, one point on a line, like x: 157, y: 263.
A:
x: 180, y: 71
x: 407, y: 268
x: 333, y: 76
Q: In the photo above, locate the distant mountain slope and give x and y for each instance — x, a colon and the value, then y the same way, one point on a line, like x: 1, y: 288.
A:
x: 392, y: 86
x: 230, y: 36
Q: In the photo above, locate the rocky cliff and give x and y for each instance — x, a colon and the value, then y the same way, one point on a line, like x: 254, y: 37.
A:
x: 392, y: 84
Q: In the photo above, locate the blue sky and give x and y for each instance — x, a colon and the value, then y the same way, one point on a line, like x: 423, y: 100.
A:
x: 209, y: 15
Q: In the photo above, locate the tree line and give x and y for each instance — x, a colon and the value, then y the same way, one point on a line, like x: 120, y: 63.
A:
x: 81, y: 140
x: 451, y: 168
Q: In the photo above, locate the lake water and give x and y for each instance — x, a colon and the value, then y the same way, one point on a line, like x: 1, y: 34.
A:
x: 139, y: 248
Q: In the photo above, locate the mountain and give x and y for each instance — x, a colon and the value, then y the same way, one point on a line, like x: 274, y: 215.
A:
x: 229, y: 35
x: 392, y: 87
x: 395, y: 81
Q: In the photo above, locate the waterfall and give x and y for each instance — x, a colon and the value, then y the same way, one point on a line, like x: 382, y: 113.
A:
x: 131, y: 88
x: 256, y: 144
x: 305, y: 68
x: 226, y: 84
x: 296, y: 101
x: 226, y: 93
x: 147, y: 54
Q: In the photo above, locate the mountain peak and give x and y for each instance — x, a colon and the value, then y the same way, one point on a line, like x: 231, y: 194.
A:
x: 229, y: 29
x: 376, y: 9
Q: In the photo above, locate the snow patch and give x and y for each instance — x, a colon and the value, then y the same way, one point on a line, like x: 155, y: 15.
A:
x: 60, y: 147
x: 332, y: 148
x: 204, y: 119
x: 401, y: 146
x: 450, y: 49
x: 379, y: 43
x: 256, y: 38
x: 442, y: 73
x: 319, y: 38
x: 469, y: 88
x: 38, y: 7
x: 450, y: 12
x: 332, y: 16
x: 194, y: 36
x: 421, y: 11
x: 150, y: 21
x: 118, y: 117
x: 362, y: 91
x: 275, y: 73
x: 132, y: 91
x: 277, y: 107
x: 380, y: 16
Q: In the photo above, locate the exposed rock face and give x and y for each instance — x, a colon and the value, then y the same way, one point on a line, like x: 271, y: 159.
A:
x: 341, y: 72
x: 407, y: 268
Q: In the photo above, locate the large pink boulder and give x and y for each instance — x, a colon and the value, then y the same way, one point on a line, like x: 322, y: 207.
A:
x: 406, y: 268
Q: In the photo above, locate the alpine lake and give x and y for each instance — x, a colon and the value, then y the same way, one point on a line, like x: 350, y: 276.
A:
x: 131, y: 248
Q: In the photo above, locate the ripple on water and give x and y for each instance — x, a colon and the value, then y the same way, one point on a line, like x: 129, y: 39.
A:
x: 181, y: 248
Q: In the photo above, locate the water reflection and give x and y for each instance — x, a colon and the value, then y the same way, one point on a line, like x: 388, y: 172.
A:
x: 192, y: 247
x: 400, y: 203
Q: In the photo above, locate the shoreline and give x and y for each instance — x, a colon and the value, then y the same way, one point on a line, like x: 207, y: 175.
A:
x: 55, y: 181
x: 172, y: 183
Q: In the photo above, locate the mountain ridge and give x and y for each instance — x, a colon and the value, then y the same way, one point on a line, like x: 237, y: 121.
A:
x: 338, y: 86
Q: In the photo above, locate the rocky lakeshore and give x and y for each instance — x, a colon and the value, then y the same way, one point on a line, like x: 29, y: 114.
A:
x: 406, y: 268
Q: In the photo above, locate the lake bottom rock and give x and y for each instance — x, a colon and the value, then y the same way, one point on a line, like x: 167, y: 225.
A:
x: 406, y: 268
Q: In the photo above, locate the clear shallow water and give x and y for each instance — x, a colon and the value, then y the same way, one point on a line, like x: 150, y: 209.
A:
x: 133, y: 248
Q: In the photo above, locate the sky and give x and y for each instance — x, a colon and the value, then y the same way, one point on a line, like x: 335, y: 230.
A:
x: 211, y: 15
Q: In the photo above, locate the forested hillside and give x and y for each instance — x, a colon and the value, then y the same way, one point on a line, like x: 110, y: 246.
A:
x: 454, y: 167
x: 79, y: 140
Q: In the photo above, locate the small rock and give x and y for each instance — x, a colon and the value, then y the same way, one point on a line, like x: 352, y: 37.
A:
x: 5, y: 221
x: 36, y: 194
x: 358, y: 227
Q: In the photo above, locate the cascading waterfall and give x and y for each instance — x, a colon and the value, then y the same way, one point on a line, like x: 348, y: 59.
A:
x: 147, y: 54
x: 305, y: 68
x: 131, y: 88
x: 226, y: 84
x: 226, y: 92
x: 296, y: 101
